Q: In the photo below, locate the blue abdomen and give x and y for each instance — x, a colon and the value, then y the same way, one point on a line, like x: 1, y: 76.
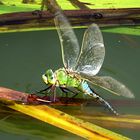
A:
x: 84, y: 87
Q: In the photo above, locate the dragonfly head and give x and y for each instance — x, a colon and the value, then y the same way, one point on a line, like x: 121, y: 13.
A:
x: 49, y: 77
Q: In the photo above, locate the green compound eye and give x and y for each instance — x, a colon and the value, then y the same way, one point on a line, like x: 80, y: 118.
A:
x: 49, y: 73
x: 50, y: 76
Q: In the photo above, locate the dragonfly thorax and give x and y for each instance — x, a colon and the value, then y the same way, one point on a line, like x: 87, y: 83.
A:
x: 61, y: 77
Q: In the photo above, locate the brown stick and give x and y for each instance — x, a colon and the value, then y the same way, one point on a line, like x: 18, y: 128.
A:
x: 103, y: 17
x: 13, y: 95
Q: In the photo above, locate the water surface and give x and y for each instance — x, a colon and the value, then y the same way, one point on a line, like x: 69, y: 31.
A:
x: 25, y: 56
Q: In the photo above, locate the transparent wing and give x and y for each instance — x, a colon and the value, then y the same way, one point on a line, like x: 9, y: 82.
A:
x: 111, y: 85
x: 68, y: 40
x: 92, y: 51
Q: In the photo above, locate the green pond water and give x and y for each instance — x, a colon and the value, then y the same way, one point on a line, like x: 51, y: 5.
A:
x: 25, y: 56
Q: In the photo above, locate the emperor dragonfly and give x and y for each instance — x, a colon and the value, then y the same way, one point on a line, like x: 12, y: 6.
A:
x: 80, y: 67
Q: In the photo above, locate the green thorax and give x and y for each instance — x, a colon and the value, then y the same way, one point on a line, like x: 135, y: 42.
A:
x: 67, y: 79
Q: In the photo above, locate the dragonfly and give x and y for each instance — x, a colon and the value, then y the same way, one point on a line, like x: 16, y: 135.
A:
x: 81, y: 66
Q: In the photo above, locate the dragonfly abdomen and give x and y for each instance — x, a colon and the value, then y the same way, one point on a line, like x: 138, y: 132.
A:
x: 84, y: 87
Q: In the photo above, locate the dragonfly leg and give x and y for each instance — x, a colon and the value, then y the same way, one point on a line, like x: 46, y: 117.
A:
x: 53, y: 90
x: 66, y: 90
x: 103, y: 101
x: 44, y: 90
x: 74, y: 95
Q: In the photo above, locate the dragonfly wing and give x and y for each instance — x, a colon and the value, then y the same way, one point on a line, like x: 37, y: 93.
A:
x: 68, y: 40
x: 92, y: 51
x: 110, y: 84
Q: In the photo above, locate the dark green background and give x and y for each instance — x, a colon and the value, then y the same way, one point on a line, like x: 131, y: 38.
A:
x: 25, y: 56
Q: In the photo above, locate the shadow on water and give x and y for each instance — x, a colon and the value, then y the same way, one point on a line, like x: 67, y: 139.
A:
x: 25, y: 56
